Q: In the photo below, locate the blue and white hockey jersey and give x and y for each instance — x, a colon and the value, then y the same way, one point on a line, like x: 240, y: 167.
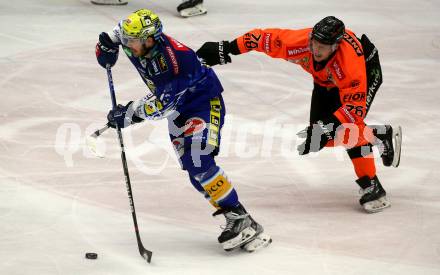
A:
x: 173, y: 73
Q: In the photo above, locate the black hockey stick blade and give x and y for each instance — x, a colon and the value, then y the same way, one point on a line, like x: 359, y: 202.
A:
x: 99, y: 132
x: 146, y: 254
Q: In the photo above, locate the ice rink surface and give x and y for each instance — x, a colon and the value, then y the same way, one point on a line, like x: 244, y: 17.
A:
x: 57, y: 201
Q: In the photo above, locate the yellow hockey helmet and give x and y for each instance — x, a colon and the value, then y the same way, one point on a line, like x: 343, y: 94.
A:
x: 141, y: 24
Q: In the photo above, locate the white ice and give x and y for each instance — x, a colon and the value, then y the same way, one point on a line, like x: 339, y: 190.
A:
x: 57, y: 201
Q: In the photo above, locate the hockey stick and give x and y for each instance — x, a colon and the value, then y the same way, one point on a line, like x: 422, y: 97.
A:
x: 99, y: 132
x: 92, y: 140
x: 146, y: 254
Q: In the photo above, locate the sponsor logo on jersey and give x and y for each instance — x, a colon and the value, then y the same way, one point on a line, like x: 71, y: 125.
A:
x: 292, y: 51
x: 173, y: 59
x: 214, y: 122
x: 267, y: 42
x: 251, y: 41
x: 354, y: 44
x: 354, y: 97
x: 193, y: 126
x: 338, y: 70
x: 155, y: 67
x: 372, y: 89
x: 348, y: 116
x: 162, y: 63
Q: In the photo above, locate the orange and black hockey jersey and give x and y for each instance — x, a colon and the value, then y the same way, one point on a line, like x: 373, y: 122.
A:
x: 344, y: 70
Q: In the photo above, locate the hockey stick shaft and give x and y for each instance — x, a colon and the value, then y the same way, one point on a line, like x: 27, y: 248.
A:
x: 146, y: 254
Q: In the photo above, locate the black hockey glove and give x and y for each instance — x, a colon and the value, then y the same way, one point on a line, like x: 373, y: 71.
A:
x: 121, y: 118
x: 213, y: 53
x: 317, y: 135
x: 106, y: 51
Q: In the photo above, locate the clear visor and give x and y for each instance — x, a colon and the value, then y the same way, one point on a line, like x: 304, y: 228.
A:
x: 130, y: 40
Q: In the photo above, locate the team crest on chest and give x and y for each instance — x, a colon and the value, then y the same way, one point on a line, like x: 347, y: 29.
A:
x: 162, y: 63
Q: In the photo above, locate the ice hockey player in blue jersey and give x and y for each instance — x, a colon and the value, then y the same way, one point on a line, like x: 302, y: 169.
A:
x: 188, y: 95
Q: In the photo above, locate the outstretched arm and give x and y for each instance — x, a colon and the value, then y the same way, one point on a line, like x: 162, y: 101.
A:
x: 273, y: 42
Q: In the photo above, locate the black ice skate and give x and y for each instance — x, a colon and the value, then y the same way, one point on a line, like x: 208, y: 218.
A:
x: 241, y: 231
x: 190, y: 8
x: 373, y: 195
x: 391, y: 144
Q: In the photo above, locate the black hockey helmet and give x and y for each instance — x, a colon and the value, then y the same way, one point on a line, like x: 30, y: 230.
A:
x: 329, y: 30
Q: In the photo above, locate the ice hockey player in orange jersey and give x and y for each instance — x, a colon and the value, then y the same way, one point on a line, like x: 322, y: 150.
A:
x: 346, y: 74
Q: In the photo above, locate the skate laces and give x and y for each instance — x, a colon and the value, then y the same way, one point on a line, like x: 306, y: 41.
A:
x: 367, y: 190
x: 231, y: 217
x: 387, y: 144
x: 384, y: 149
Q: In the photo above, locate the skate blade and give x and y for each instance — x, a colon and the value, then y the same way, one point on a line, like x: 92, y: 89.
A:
x: 194, y: 11
x: 261, y: 241
x: 244, y: 236
x: 376, y: 205
x: 397, y: 139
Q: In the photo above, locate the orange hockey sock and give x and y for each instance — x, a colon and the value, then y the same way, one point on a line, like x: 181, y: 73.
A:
x: 364, y: 166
